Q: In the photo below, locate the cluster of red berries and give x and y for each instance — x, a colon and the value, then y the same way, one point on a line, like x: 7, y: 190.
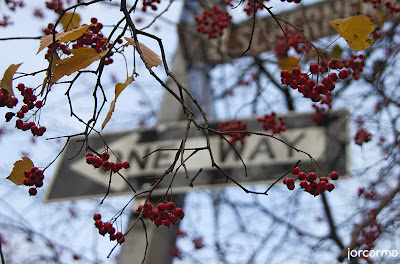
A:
x: 107, y: 228
x: 213, y: 22
x: 362, y: 136
x: 93, y: 38
x: 30, y: 102
x: 13, y: 4
x: 249, y: 8
x: 233, y: 130
x: 309, y: 183
x: 389, y: 6
x: 372, y: 232
x: 318, y: 115
x: 321, y: 92
x: 103, y: 162
x: 308, y: 87
x: 151, y: 4
x: 369, y: 194
x: 162, y: 214
x: 198, y: 242
x: 6, y: 99
x: 56, y: 5
x: 33, y: 177
x: 291, y: 39
x: 274, y: 122
x: 5, y: 21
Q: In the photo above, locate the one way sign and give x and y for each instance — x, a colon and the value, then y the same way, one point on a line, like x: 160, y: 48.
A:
x: 266, y: 158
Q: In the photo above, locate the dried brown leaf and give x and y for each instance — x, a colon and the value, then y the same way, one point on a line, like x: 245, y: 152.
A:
x: 150, y: 57
x: 81, y: 59
x: 62, y: 37
x: 119, y: 87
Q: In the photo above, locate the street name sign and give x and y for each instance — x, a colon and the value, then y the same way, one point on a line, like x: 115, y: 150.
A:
x: 266, y: 158
x: 312, y: 19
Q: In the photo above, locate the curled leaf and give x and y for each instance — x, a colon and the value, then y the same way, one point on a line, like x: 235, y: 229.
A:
x: 70, y: 35
x: 17, y: 175
x: 118, y: 90
x: 150, y: 57
x: 6, y: 82
x: 355, y: 30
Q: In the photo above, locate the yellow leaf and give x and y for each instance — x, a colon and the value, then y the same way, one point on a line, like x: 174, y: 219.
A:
x: 118, y: 90
x: 288, y: 63
x: 70, y: 20
x: 17, y: 175
x: 150, y: 57
x: 6, y: 82
x: 62, y: 37
x: 355, y: 30
x: 80, y: 59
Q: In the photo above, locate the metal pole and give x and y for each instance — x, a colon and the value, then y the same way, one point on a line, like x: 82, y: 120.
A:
x: 194, y: 77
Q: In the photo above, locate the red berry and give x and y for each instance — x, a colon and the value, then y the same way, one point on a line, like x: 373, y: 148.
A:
x: 21, y: 87
x: 42, y: 130
x: 322, y: 186
x: 330, y: 187
x: 324, y: 179
x: 304, y: 184
x: 89, y: 160
x: 156, y: 214
x: 20, y: 114
x: 314, y: 68
x: 296, y: 72
x: 39, y: 104
x: 334, y: 63
x: 105, y: 156
x: 93, y: 20
x: 97, y: 217
x: 32, y: 191
x: 170, y: 206
x: 158, y: 221
x: 121, y: 240
x: 119, y: 235
x: 98, y: 224
x: 311, y: 177
x: 343, y: 74
x: 25, y: 108
x: 334, y: 175
x: 179, y: 212
x: 148, y: 206
x: 296, y: 171
x: 102, y: 231
x: 107, y: 226
x: 125, y: 164
x: 119, y: 165
x: 290, y: 182
x: 161, y: 206
x: 302, y: 176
